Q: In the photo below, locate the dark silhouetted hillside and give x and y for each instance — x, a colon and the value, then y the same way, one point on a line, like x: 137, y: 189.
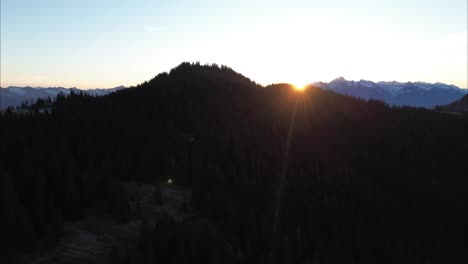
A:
x: 356, y: 182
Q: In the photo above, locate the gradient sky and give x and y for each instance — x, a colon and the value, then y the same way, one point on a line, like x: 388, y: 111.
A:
x: 106, y: 43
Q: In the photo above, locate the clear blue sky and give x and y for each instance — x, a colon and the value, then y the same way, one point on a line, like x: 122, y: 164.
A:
x: 105, y: 43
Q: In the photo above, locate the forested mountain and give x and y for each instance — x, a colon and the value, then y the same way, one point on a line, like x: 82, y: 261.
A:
x: 13, y: 96
x: 410, y: 94
x: 418, y: 94
x: 279, y: 176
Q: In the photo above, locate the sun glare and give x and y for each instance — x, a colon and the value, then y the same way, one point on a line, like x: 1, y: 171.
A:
x: 300, y: 87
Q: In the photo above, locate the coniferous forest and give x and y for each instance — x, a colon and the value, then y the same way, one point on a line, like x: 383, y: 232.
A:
x: 274, y: 175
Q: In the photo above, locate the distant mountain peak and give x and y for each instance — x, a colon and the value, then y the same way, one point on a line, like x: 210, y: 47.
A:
x: 339, y: 79
x: 397, y: 93
x: 15, y: 95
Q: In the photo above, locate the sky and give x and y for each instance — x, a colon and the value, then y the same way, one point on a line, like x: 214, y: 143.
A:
x: 107, y: 43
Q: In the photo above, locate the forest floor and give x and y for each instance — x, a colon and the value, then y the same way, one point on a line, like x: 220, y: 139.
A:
x: 97, y: 237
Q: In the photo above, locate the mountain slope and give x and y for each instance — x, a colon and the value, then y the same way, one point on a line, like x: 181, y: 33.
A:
x: 412, y: 94
x: 459, y: 106
x: 282, y: 176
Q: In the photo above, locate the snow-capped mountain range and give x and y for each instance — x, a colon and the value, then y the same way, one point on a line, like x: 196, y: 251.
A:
x: 14, y: 95
x: 396, y: 93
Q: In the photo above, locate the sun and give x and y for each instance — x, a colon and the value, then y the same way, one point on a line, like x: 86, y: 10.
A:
x: 300, y: 87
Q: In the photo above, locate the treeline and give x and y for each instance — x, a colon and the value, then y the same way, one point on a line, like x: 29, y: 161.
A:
x: 459, y: 106
x: 363, y: 182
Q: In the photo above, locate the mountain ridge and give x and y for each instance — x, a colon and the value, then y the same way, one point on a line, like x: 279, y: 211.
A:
x: 13, y: 96
x: 420, y: 94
